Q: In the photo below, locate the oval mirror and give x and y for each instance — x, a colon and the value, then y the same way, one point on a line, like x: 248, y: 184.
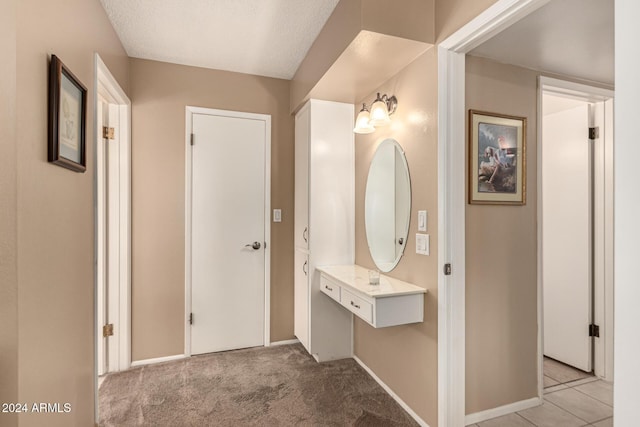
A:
x: 387, y: 205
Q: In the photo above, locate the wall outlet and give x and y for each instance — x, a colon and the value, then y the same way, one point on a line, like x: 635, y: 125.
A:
x: 277, y: 215
x: 422, y: 244
x: 422, y: 220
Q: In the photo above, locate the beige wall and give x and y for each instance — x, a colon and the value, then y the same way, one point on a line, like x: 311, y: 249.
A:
x: 407, y: 19
x: 501, y: 289
x: 405, y: 357
x: 8, y: 218
x: 55, y: 227
x: 160, y: 92
x: 453, y: 14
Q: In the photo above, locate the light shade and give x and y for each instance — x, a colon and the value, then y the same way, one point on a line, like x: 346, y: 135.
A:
x: 363, y: 124
x: 379, y: 113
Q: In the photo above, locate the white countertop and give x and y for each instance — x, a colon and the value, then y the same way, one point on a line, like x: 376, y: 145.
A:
x: 357, y: 277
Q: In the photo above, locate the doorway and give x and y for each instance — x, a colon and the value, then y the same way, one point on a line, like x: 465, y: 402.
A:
x: 112, y: 160
x: 575, y: 235
x: 452, y: 194
x: 113, y: 219
x: 228, y: 219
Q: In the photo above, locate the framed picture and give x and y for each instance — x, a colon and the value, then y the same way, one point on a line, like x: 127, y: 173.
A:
x: 497, y: 158
x: 67, y: 118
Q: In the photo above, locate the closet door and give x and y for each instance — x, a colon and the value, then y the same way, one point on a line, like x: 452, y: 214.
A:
x: 301, y: 222
x: 301, y: 298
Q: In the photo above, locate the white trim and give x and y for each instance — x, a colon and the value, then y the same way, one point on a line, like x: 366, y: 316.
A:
x: 285, y: 342
x: 189, y: 112
x: 539, y: 291
x: 452, y: 200
x: 451, y: 244
x: 478, y: 417
x: 155, y: 360
x: 391, y: 393
x: 107, y: 86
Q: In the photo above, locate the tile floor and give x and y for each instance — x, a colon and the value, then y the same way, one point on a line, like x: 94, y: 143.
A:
x: 571, y: 398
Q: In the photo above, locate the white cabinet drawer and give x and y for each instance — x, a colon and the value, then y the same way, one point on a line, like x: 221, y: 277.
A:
x: 330, y: 288
x: 357, y: 306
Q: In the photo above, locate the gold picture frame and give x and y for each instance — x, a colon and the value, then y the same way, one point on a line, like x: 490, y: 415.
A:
x: 497, y: 158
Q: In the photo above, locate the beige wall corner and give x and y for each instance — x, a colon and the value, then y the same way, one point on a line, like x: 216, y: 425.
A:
x: 160, y: 93
x: 55, y: 212
x: 408, y: 19
x: 405, y: 357
x: 501, y: 253
x: 8, y: 213
x: 363, y: 44
x: 451, y: 15
x: 341, y: 28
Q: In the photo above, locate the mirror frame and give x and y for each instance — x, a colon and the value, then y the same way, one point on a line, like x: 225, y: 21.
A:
x: 398, y: 149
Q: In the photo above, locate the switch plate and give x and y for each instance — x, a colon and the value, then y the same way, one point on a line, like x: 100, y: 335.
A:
x: 422, y: 244
x: 422, y: 220
x: 277, y: 215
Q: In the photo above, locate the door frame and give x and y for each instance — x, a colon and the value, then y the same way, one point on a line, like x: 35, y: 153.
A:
x: 452, y: 202
x: 189, y: 112
x: 602, y: 223
x: 106, y: 86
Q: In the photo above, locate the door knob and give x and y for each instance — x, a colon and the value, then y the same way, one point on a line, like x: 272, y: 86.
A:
x: 254, y: 245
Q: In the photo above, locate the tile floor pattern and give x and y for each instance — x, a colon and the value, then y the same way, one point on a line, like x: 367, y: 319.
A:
x: 572, y: 398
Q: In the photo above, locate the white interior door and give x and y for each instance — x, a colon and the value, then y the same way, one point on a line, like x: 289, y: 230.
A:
x: 227, y: 233
x: 567, y: 235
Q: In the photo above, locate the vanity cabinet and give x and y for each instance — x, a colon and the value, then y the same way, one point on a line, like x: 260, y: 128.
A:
x: 323, y: 223
x: 390, y: 303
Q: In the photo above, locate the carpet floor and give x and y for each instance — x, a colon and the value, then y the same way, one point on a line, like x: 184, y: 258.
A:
x: 265, y: 386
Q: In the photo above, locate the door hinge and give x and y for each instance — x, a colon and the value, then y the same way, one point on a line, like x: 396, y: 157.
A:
x: 447, y: 269
x: 594, y: 133
x: 193, y: 139
x: 594, y: 331
x: 107, y: 330
x: 108, y: 133
x: 191, y: 318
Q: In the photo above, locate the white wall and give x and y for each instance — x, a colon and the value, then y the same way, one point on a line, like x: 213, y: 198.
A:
x: 627, y: 211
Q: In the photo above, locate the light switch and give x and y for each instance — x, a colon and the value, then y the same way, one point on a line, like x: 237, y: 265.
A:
x: 277, y: 215
x: 422, y: 220
x: 422, y: 244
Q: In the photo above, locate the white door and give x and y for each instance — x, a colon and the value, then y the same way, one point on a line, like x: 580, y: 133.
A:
x: 567, y: 235
x: 227, y: 232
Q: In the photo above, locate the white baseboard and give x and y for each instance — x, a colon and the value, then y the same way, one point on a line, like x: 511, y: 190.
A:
x: 478, y: 417
x: 386, y: 388
x: 157, y: 360
x: 285, y: 342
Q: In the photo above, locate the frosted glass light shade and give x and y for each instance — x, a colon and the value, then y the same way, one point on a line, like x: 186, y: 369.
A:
x: 362, y: 123
x: 379, y: 114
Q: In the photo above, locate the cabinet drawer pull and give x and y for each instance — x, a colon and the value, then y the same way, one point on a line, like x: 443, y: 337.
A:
x: 304, y: 234
x: 354, y: 304
x: 326, y: 287
x: 304, y: 267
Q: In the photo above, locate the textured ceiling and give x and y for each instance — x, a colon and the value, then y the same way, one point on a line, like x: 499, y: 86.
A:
x: 261, y: 37
x: 570, y: 37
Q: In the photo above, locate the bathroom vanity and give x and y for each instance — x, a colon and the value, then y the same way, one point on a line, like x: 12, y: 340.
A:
x: 391, y: 302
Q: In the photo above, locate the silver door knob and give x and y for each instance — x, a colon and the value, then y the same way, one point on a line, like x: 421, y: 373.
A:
x: 254, y: 245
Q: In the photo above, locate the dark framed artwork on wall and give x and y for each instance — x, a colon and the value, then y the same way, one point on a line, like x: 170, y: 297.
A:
x: 67, y: 118
x: 497, y: 158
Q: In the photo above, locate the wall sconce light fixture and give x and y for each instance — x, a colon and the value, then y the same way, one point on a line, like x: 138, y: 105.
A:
x: 381, y: 109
